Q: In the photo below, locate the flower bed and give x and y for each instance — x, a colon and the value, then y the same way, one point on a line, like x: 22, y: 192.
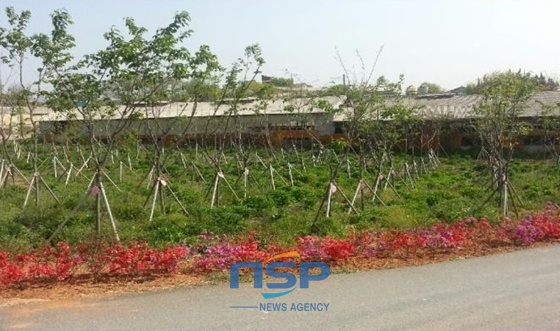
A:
x: 62, y: 263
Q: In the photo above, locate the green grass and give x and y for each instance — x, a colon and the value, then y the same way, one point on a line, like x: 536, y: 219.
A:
x: 455, y: 190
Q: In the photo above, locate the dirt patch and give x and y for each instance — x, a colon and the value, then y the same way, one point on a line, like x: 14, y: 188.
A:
x: 20, y: 301
x: 57, y: 291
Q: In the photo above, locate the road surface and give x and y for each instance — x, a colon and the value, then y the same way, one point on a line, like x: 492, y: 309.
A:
x: 512, y: 291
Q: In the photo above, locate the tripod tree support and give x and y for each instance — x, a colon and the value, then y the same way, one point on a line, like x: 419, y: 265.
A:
x: 96, y: 189
x: 36, y: 180
x: 159, y: 185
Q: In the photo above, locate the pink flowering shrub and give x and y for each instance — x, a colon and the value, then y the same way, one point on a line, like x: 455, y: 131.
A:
x: 537, y: 227
x: 220, y: 253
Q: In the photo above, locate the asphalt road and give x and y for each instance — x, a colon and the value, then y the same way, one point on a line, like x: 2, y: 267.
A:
x: 513, y: 291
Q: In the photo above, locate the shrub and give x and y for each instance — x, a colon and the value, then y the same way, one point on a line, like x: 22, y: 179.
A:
x: 258, y: 203
x: 281, y: 197
x: 61, y: 262
x: 326, y: 249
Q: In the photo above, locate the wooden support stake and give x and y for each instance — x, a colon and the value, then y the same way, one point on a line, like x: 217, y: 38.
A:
x: 358, y: 189
x: 69, y: 173
x: 290, y: 172
x: 198, y: 172
x: 108, y: 208
x: 272, y: 177
x: 215, y: 190
x: 153, y: 207
x: 332, y: 187
x: 245, y: 177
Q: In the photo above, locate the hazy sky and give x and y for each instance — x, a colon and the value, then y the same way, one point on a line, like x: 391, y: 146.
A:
x: 446, y: 42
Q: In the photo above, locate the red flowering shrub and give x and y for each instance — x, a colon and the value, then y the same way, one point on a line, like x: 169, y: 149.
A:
x: 312, y: 248
x: 337, y: 249
x: 168, y: 260
x: 139, y: 258
x: 10, y: 272
x: 61, y: 262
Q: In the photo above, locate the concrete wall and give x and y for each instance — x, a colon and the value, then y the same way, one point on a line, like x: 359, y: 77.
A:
x: 20, y: 124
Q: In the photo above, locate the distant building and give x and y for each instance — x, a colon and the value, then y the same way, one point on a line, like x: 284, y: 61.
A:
x: 446, y: 120
x: 453, y: 114
x: 423, y: 89
x: 411, y: 90
x: 461, y: 90
x: 15, y: 122
x: 278, y: 123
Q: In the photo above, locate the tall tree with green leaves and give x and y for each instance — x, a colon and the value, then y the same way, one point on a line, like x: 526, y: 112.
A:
x: 53, y: 52
x: 541, y: 82
x: 107, y: 91
x: 239, y: 84
x: 505, y: 97
x: 190, y: 87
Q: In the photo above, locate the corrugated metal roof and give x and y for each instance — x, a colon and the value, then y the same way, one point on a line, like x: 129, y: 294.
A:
x: 39, y: 110
x: 455, y: 106
x: 462, y: 106
x: 207, y: 109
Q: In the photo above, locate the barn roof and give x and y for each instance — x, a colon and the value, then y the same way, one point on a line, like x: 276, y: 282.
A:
x: 462, y: 106
x: 208, y: 109
x: 427, y: 106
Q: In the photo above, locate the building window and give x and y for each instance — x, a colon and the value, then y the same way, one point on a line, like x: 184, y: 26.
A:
x: 534, y: 141
x: 469, y: 141
x: 339, y: 127
x: 297, y: 142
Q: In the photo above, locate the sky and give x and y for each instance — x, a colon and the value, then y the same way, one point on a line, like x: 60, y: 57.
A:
x: 447, y: 42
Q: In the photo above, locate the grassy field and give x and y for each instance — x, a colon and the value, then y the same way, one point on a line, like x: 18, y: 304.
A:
x: 453, y: 190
